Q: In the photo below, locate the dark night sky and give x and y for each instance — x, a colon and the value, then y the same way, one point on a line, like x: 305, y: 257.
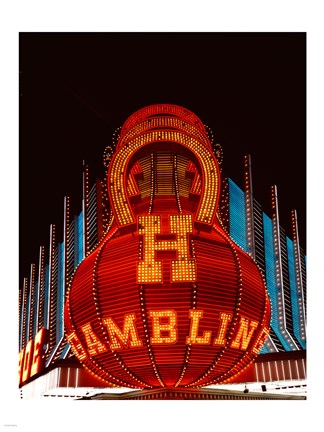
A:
x: 76, y: 89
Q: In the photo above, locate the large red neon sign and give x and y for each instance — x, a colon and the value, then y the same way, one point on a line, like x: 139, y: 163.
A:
x: 166, y: 299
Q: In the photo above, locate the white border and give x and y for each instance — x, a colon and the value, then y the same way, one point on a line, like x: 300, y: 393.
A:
x: 215, y: 16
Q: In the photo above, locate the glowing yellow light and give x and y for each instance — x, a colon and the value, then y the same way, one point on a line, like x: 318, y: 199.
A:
x: 193, y: 338
x: 169, y: 327
x: 38, y: 351
x: 27, y: 360
x: 76, y: 346
x: 244, y: 334
x: 128, y: 336
x: 225, y: 319
x: 183, y: 269
x: 94, y: 345
x: 260, y: 340
x: 21, y: 364
x: 204, y: 155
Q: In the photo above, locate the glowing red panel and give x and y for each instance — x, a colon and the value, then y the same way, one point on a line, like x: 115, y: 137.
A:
x: 172, y: 301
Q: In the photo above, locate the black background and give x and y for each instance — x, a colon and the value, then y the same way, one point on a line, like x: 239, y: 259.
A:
x: 76, y: 89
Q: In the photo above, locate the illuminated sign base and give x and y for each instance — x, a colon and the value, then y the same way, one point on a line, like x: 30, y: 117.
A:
x: 199, y: 394
x: 70, y: 380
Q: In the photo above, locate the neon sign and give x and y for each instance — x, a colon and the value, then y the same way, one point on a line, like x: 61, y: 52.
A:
x: 167, y: 299
x: 127, y: 337
x: 32, y: 357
